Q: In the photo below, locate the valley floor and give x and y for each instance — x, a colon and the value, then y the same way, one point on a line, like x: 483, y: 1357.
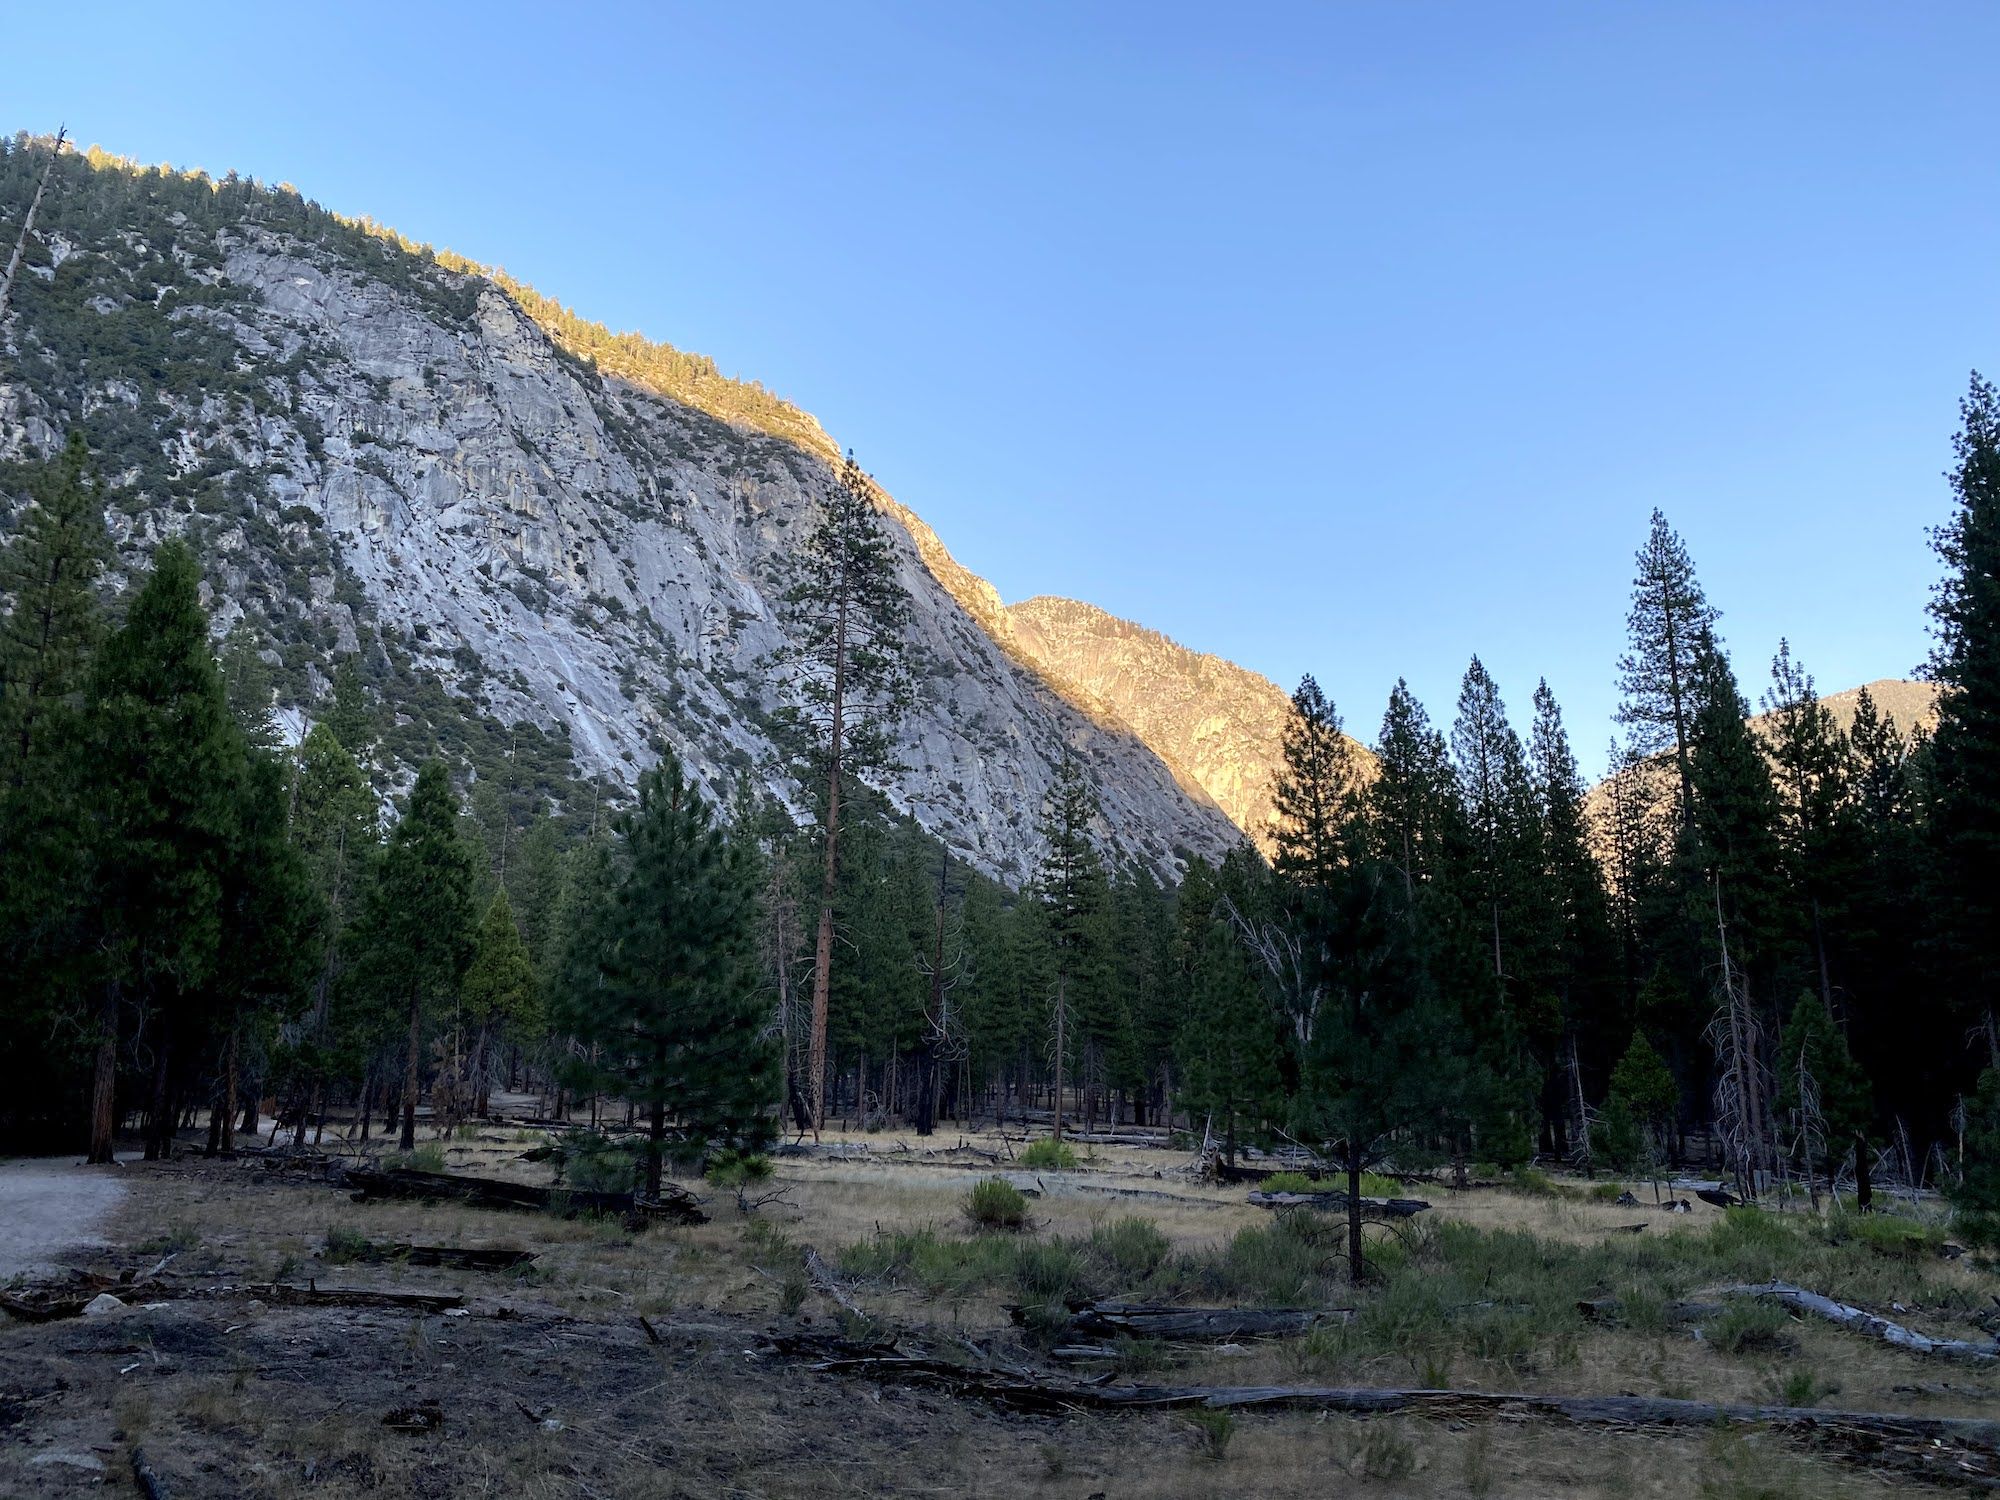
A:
x: 648, y: 1365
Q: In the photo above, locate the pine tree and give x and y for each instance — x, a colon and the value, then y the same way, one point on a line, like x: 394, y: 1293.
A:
x: 350, y: 718
x: 1413, y: 804
x: 499, y: 991
x: 1070, y: 890
x: 419, y: 921
x: 1228, y: 1043
x: 1821, y: 1090
x: 1670, y: 624
x: 1810, y: 756
x: 1731, y: 878
x: 49, y: 627
x: 1965, y: 748
x: 1639, y: 1109
x: 165, y: 769
x: 47, y: 578
x: 1583, y: 964
x: 849, y: 609
x: 1315, y: 794
x: 675, y: 1020
x: 251, y: 687
x: 334, y: 827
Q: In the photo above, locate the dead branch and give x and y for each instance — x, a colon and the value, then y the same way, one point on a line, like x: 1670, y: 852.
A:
x: 1163, y: 1321
x: 826, y: 1284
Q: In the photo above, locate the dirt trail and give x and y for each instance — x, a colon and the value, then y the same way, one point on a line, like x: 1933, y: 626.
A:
x: 49, y: 1205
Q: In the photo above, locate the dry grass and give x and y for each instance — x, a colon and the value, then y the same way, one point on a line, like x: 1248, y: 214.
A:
x: 285, y: 1403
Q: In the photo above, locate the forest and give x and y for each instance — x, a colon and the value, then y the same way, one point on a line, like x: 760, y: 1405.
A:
x: 1771, y: 948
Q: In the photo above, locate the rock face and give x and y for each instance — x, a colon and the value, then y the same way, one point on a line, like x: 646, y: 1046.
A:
x: 383, y: 455
x: 1218, y: 725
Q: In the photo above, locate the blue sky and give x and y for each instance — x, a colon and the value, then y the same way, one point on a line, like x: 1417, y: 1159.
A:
x: 1343, y: 338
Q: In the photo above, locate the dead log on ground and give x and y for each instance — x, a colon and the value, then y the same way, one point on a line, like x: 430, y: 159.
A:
x: 820, y: 1274
x: 1151, y: 1320
x: 456, y: 1257
x: 283, y: 1294
x: 675, y: 1204
x: 1336, y: 1203
x: 1958, y: 1450
x: 1800, y: 1300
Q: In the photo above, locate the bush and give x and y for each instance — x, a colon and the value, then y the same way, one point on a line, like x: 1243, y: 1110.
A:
x: 1216, y: 1429
x: 344, y: 1245
x: 429, y: 1157
x: 596, y: 1164
x: 730, y: 1168
x: 1132, y: 1247
x: 996, y: 1204
x: 1049, y: 1156
x: 1747, y: 1326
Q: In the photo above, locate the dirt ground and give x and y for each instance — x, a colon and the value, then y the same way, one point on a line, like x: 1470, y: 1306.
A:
x: 548, y: 1384
x: 49, y: 1206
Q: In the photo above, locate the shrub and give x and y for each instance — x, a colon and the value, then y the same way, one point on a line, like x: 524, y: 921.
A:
x: 1373, y: 1184
x: 1215, y: 1428
x: 1049, y: 1156
x: 1747, y: 1326
x: 429, y: 1157
x: 730, y: 1168
x: 344, y: 1245
x: 596, y: 1164
x: 996, y: 1204
x: 1132, y: 1247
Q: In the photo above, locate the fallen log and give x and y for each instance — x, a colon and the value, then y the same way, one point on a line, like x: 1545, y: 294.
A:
x: 1149, y: 1320
x: 283, y: 1294
x: 823, y: 1281
x: 675, y: 1203
x: 1336, y: 1203
x: 1800, y: 1300
x: 456, y: 1257
x: 1958, y: 1450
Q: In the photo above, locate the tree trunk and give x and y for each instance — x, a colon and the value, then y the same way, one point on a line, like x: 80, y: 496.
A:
x: 104, y: 1085
x: 409, y: 1137
x: 657, y: 1133
x: 1062, y: 1043
x: 1357, y: 1265
x: 1864, y: 1189
x: 823, y: 946
x: 160, y: 1129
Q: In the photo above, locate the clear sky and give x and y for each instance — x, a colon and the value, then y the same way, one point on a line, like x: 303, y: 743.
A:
x: 1343, y: 338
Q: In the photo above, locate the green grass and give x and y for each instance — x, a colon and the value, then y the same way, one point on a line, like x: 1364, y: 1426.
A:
x: 1048, y: 1156
x: 429, y: 1157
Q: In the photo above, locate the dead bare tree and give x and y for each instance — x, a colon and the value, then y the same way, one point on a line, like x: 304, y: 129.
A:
x: 28, y: 223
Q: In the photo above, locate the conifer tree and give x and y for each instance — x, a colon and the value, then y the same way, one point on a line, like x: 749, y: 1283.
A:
x: 1640, y: 1105
x: 1582, y: 972
x: 675, y: 1020
x: 165, y: 770
x: 1821, y: 1090
x: 334, y: 827
x: 1669, y: 627
x: 1414, y: 810
x: 1315, y: 793
x: 499, y: 991
x: 1228, y: 1045
x: 250, y: 686
x: 1810, y: 756
x: 48, y: 575
x: 49, y: 627
x: 1070, y: 890
x: 849, y: 608
x: 1965, y: 748
x: 419, y: 921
